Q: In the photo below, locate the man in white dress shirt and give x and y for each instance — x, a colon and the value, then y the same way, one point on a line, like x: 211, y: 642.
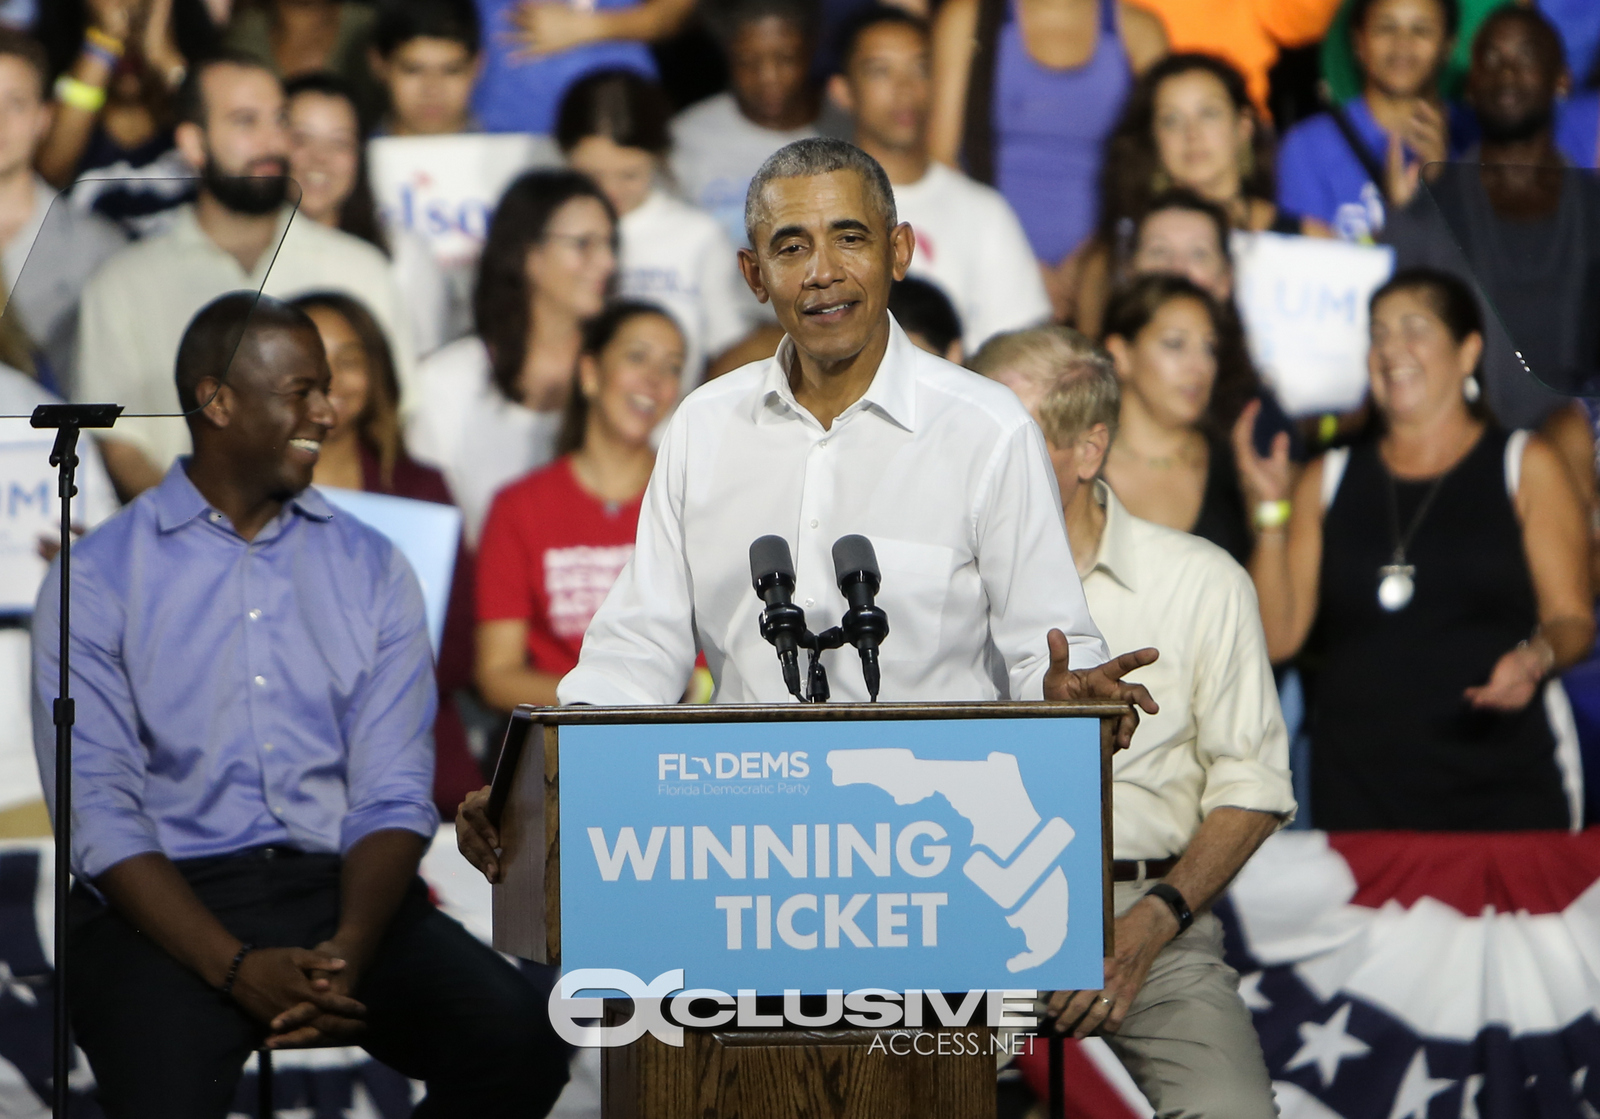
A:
x: 849, y: 428
x: 969, y: 242
x: 1205, y: 781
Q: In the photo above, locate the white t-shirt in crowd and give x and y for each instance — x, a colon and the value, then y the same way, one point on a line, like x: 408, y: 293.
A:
x: 45, y: 265
x: 137, y: 306
x: 678, y: 258
x: 423, y: 289
x: 970, y: 243
x: 717, y: 150
x: 96, y: 500
x: 464, y: 425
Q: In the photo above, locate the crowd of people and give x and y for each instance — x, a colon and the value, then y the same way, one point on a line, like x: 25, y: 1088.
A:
x: 1078, y: 178
x: 1092, y: 163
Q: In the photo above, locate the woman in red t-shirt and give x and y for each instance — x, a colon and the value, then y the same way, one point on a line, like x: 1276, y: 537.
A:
x: 558, y: 538
x: 364, y: 451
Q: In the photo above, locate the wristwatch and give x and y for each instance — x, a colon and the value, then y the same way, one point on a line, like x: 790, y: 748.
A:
x: 1175, y: 902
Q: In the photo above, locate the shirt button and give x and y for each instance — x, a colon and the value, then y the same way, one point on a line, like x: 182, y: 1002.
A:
x: 261, y: 681
x: 255, y: 615
x: 813, y: 522
x: 267, y: 746
x: 824, y: 443
x: 277, y: 810
x: 811, y: 602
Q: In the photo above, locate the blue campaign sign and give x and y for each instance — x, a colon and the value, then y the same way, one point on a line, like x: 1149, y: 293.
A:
x: 945, y: 855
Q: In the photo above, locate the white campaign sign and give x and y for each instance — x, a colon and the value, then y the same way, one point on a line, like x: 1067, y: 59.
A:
x: 29, y: 509
x: 445, y: 188
x: 1304, y: 303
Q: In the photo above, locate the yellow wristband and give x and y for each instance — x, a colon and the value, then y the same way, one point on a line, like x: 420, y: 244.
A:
x: 1327, y: 427
x: 79, y: 94
x: 1272, y: 514
x: 105, y: 42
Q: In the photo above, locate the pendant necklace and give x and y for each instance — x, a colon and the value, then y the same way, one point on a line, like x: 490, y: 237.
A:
x: 1397, y: 578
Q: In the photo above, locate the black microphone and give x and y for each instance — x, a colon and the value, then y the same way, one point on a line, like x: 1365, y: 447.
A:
x: 865, y: 625
x: 782, y: 622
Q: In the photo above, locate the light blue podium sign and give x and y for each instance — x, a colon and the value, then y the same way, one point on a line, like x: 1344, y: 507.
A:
x: 897, y: 847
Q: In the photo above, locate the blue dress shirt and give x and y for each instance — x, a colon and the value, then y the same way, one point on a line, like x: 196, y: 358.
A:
x: 234, y: 693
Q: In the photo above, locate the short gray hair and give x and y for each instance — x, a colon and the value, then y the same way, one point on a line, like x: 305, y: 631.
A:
x: 1079, y: 378
x: 818, y: 155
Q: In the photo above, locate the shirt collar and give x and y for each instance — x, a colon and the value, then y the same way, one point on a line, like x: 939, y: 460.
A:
x: 185, y: 230
x: 893, y: 391
x: 178, y: 502
x: 1116, y: 555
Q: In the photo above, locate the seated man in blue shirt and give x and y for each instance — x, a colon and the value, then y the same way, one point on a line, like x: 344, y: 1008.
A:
x: 253, y: 768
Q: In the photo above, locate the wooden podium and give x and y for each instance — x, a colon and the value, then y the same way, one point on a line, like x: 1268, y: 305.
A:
x: 728, y: 1072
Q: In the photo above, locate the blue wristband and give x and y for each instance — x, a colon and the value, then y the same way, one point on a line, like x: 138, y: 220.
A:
x: 96, y: 51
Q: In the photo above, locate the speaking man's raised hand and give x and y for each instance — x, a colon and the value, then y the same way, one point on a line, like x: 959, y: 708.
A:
x: 1064, y: 684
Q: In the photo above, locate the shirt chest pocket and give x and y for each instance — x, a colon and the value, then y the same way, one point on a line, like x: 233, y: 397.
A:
x: 916, y: 585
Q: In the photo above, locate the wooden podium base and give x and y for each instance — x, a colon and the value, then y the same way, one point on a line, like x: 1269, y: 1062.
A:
x: 803, y: 1074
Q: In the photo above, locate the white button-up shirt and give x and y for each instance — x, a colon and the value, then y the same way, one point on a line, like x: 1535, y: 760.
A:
x: 1219, y: 740
x: 942, y: 470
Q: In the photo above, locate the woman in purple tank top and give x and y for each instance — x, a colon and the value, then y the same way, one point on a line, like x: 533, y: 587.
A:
x: 1030, y: 109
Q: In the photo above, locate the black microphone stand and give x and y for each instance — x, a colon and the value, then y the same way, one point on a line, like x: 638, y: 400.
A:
x: 67, y: 420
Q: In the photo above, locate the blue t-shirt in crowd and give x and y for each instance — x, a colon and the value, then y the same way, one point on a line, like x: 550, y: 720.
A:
x: 1578, y: 127
x: 1578, y: 22
x: 517, y: 95
x: 1320, y: 177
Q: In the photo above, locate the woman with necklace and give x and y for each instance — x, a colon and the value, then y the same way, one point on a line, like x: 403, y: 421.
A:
x: 1440, y: 568
x: 1171, y: 462
x: 556, y: 540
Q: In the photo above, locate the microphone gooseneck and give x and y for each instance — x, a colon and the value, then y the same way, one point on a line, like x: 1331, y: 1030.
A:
x: 865, y: 625
x: 783, y: 623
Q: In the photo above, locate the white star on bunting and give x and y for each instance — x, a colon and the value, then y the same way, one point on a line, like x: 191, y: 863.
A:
x: 1416, y: 1089
x: 1250, y: 992
x: 1326, y: 1044
x: 11, y: 985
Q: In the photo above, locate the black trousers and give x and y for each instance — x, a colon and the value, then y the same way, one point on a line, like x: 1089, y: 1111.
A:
x: 442, y: 1007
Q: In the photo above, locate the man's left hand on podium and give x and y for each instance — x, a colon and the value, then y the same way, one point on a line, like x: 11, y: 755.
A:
x: 1141, y: 933
x: 1064, y: 684
x: 476, y: 837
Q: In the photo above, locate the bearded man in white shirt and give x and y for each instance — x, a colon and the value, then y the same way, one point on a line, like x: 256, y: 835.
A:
x: 1205, y: 781
x: 849, y: 428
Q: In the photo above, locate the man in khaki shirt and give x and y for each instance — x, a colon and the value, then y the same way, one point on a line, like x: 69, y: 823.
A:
x: 1205, y: 780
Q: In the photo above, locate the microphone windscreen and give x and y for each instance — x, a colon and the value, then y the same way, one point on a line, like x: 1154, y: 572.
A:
x: 854, y: 553
x: 769, y: 555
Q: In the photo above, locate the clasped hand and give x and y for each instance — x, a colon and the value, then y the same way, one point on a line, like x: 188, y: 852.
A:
x: 301, y: 994
x: 543, y: 27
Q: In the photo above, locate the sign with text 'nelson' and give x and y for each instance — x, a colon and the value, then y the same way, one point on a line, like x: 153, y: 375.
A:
x: 945, y: 855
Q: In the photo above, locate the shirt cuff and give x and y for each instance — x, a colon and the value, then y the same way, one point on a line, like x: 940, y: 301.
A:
x: 111, y: 842
x: 1249, y: 784
x: 591, y: 685
x: 396, y: 815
